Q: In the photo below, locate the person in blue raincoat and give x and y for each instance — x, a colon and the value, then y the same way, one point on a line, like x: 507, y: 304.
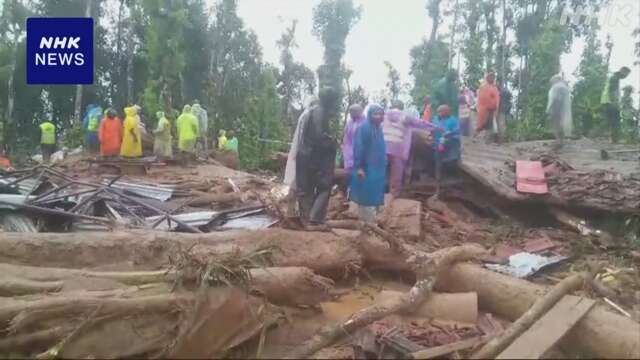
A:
x: 447, y: 147
x: 91, y: 125
x: 370, y: 165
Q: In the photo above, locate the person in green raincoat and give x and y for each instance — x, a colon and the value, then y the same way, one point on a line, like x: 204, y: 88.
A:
x: 187, y: 126
x: 162, y: 142
x: 447, y: 92
x: 232, y: 142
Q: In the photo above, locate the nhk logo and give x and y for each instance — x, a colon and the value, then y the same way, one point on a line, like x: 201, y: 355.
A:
x: 59, y: 50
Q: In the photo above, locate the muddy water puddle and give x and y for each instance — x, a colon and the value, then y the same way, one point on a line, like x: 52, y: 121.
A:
x: 303, y: 323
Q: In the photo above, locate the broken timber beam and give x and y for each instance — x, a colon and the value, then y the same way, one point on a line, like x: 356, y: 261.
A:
x: 601, y: 333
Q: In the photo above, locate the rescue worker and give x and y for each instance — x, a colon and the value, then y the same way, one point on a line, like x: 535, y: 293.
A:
x: 356, y: 117
x: 398, y: 128
x: 110, y: 134
x: 446, y: 92
x: 47, y: 140
x: 222, y: 139
x: 426, y: 109
x: 370, y: 165
x: 91, y: 125
x: 132, y: 137
x: 611, y: 101
x: 488, y: 102
x: 203, y: 124
x: 232, y: 142
x: 162, y: 142
x: 559, y: 110
x: 446, y: 146
x: 315, y: 160
x: 187, y: 128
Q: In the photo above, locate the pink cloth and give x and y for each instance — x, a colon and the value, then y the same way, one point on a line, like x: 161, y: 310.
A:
x: 398, y: 131
x: 347, y: 141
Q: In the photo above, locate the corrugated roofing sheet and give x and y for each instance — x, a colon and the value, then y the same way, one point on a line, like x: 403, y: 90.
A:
x: 194, y: 219
x: 158, y: 192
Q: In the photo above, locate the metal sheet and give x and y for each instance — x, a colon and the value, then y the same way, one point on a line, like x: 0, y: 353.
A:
x: 253, y: 222
x: 25, y: 187
x: 194, y: 219
x: 16, y: 222
x: 13, y: 199
x: 158, y: 192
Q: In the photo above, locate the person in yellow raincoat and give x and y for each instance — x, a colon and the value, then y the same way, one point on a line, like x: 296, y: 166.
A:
x: 162, y: 142
x: 131, y: 138
x: 187, y: 127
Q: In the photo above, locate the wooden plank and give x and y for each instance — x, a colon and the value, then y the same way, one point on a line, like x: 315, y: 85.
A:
x: 547, y: 331
x: 449, y: 348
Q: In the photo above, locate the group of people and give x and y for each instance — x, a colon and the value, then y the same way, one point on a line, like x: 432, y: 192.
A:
x: 107, y: 134
x: 491, y: 103
x: 375, y: 150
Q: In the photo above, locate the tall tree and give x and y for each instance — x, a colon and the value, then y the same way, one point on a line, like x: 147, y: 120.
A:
x: 591, y: 74
x: 489, y: 8
x: 295, y: 80
x: 332, y: 23
x: 394, y: 85
x: 473, y: 43
x: 234, y: 64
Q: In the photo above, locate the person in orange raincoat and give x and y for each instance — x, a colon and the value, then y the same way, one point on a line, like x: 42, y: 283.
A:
x: 488, y: 102
x: 110, y: 134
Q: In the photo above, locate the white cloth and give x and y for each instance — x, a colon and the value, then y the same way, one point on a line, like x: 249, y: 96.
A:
x: 290, y: 170
x: 559, y: 106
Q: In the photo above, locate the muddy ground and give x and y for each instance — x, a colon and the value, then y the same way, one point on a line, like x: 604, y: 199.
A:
x: 465, y: 212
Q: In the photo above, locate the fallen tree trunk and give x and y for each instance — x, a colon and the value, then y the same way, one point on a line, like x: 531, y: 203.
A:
x: 204, y: 199
x: 327, y: 254
x: 541, y: 306
x: 408, y: 302
x: 10, y: 286
x: 29, y: 342
x: 22, y: 315
x: 280, y: 285
x: 600, y: 333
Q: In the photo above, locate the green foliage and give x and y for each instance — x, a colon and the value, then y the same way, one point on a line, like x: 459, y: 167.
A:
x: 332, y: 22
x: 73, y: 137
x: 592, y: 75
x: 263, y: 119
x: 427, y: 69
x: 394, y: 86
x: 295, y: 80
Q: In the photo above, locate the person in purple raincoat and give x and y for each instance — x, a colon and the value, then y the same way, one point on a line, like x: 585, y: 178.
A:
x: 398, y: 128
x: 356, y: 117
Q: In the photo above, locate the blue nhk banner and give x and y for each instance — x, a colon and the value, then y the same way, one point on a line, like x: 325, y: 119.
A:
x: 59, y: 50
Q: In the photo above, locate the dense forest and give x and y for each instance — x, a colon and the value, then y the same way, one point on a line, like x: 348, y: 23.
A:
x: 162, y: 54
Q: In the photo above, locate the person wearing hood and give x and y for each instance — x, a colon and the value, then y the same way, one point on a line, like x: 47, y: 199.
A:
x: 446, y: 92
x: 356, y: 117
x: 110, y: 134
x: 488, y: 103
x: 291, y: 167
x: 203, y: 124
x: 47, y: 139
x: 91, y: 124
x: 187, y: 127
x: 446, y: 146
x: 315, y: 160
x: 559, y: 109
x: 611, y: 101
x: 162, y: 142
x: 132, y: 137
x: 370, y: 165
x: 222, y: 139
x: 398, y: 128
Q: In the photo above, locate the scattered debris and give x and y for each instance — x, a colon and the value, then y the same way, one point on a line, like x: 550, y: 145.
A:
x: 525, y: 264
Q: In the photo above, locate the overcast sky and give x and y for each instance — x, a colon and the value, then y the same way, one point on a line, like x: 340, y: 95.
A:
x: 388, y: 30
